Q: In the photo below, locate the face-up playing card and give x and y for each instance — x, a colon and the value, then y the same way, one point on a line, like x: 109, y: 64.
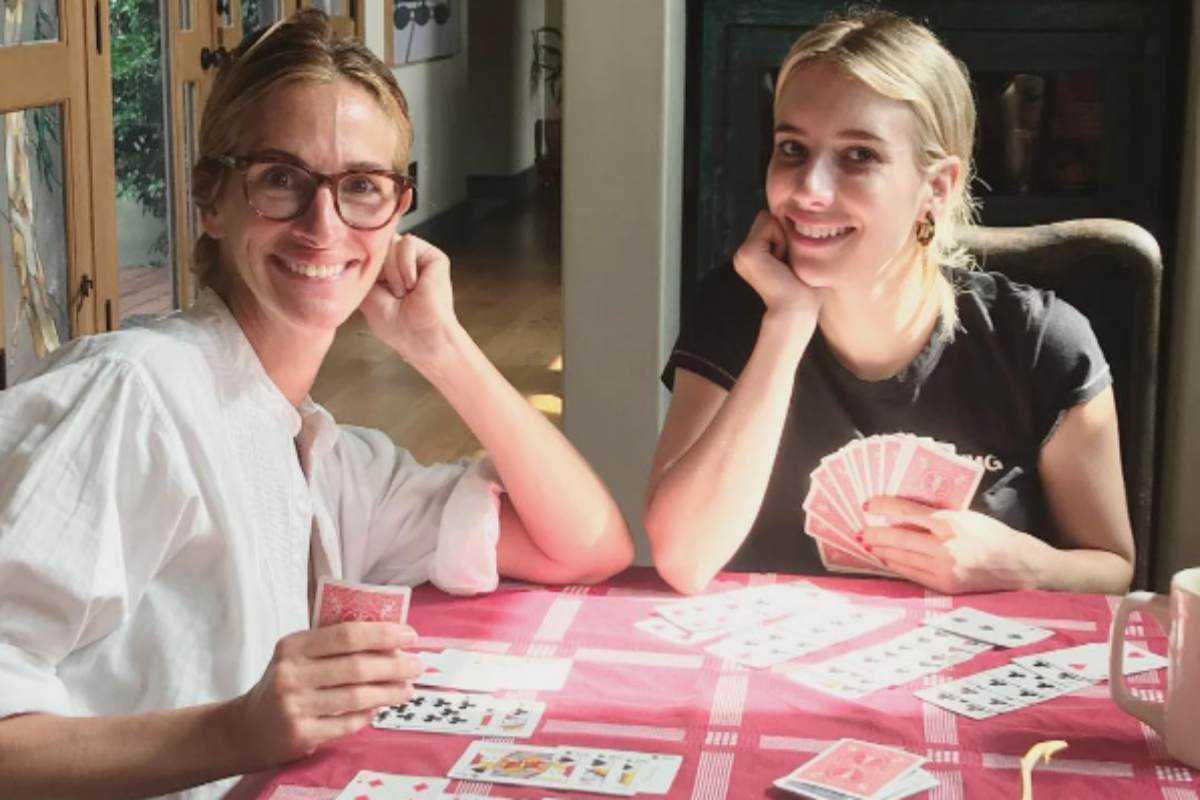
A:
x: 1091, y: 660
x: 950, y: 696
x: 670, y: 632
x: 802, y: 633
x: 520, y: 765
x: 1019, y: 686
x: 976, y: 624
x: 490, y: 672
x: 856, y: 769
x: 621, y: 772
x: 463, y: 714
x: 369, y: 785
x: 343, y: 601
x: 743, y: 607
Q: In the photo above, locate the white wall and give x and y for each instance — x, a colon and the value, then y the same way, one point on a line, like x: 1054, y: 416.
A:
x: 469, y: 118
x: 1179, y: 527
x: 622, y: 173
x: 439, y: 108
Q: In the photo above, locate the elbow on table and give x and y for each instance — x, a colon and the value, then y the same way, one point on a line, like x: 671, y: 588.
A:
x: 675, y: 561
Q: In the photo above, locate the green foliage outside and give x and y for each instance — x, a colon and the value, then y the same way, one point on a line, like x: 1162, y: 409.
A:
x: 138, y: 119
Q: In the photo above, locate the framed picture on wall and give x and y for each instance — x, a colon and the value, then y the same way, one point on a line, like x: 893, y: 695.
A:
x: 423, y: 29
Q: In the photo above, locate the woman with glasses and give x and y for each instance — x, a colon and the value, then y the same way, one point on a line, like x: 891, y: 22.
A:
x: 170, y: 495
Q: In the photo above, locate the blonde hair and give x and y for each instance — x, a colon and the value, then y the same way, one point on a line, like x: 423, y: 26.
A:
x: 302, y: 48
x: 904, y: 61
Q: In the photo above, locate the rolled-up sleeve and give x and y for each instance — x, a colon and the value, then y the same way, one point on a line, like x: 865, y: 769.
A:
x: 405, y: 523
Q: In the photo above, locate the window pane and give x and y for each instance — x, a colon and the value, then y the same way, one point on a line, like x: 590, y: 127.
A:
x: 146, y: 274
x: 27, y: 21
x: 33, y: 236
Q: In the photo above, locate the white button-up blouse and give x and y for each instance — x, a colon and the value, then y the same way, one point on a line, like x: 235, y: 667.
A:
x: 156, y: 524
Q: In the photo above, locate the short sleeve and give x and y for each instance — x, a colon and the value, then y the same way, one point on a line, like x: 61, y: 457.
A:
x: 437, y: 523
x: 80, y: 534
x: 719, y: 331
x: 1068, y: 366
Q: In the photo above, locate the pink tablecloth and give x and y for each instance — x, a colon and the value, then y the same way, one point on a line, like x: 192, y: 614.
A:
x: 739, y: 729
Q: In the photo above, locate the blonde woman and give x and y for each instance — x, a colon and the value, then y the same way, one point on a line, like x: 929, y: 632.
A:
x: 169, y: 495
x: 850, y: 311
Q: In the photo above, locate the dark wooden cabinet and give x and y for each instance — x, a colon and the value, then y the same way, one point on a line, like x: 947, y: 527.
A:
x: 1094, y: 82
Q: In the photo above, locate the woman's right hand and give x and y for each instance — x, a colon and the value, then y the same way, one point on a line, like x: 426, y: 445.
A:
x: 322, y: 684
x: 760, y: 262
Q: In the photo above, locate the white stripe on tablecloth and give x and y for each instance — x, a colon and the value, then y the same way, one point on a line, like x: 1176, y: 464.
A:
x: 1178, y: 793
x: 942, y: 756
x: 1176, y: 773
x: 472, y: 787
x: 937, y: 600
x: 793, y: 743
x: 729, y: 700
x: 458, y: 642
x: 610, y: 729
x: 1154, y: 742
x: 712, y: 775
x: 558, y: 619
x: 721, y: 738
x: 640, y: 658
x: 941, y: 726
x: 541, y: 650
x: 575, y: 589
x: 950, y: 785
x: 762, y: 578
x: 1077, y: 766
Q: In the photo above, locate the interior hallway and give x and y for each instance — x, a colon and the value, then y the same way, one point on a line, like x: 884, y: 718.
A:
x: 507, y: 293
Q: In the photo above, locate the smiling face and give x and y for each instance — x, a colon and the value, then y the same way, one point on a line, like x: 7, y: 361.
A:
x: 843, y: 180
x: 310, y: 273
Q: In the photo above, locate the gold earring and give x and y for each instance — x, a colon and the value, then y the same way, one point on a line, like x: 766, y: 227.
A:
x: 925, y: 230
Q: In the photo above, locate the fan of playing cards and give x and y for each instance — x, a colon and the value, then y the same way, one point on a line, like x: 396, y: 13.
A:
x: 899, y: 465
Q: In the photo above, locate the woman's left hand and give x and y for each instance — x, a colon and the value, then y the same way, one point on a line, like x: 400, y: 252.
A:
x: 411, y: 306
x: 954, y: 552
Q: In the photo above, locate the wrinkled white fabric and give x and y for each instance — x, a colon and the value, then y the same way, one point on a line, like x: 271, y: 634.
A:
x: 156, y: 524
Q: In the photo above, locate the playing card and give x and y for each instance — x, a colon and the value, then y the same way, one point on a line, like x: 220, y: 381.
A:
x: 856, y: 769
x: 743, y: 607
x: 936, y: 477
x: 963, y: 697
x: 1091, y: 660
x: 488, y: 672
x: 1050, y: 670
x: 836, y: 680
x: 463, y: 714
x: 520, y: 765
x: 621, y: 772
x: 1020, y: 686
x: 837, y: 559
x: 976, y: 624
x: 369, y: 785
x: 670, y: 632
x: 344, y: 601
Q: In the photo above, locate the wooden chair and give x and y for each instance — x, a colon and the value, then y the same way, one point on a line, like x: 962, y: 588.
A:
x: 1110, y: 270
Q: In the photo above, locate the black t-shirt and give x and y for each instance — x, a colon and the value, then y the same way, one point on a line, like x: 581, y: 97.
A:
x: 1020, y: 359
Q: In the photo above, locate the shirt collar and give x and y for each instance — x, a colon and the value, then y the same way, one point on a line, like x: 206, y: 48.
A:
x: 237, y: 356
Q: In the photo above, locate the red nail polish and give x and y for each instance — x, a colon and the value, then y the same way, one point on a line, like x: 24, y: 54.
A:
x: 858, y: 536
x: 869, y: 548
x: 866, y: 505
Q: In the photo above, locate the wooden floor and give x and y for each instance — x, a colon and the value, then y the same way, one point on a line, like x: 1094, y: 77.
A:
x: 507, y: 291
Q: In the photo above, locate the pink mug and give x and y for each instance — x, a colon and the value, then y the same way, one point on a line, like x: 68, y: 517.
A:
x: 1176, y: 719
